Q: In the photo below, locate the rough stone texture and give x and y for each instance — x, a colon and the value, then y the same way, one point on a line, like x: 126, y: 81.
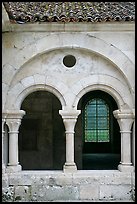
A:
x: 8, y: 194
x: 56, y: 185
x: 89, y: 191
x: 54, y: 193
x: 22, y: 193
x: 5, y: 182
x: 116, y: 192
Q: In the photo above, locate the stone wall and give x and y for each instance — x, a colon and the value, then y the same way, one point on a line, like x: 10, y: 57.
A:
x: 104, y: 186
x: 32, y: 61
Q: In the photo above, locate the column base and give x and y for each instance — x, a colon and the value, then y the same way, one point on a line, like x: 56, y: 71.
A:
x: 126, y: 168
x: 69, y: 167
x: 12, y: 169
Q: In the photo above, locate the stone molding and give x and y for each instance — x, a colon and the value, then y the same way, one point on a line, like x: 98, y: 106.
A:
x: 13, y: 114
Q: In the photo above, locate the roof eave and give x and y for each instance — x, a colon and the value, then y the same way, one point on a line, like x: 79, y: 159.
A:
x: 5, y: 20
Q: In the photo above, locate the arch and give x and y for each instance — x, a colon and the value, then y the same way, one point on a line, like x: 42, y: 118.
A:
x: 101, y: 87
x: 85, y: 42
x: 118, y: 90
x: 15, y: 102
x: 38, y: 87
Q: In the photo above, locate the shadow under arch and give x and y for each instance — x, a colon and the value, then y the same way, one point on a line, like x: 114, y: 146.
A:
x: 42, y: 132
x: 93, y: 151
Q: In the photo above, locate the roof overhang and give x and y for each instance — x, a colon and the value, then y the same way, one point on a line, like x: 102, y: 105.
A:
x: 5, y: 20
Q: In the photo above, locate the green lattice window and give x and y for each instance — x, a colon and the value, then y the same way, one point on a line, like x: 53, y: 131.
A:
x: 96, y: 121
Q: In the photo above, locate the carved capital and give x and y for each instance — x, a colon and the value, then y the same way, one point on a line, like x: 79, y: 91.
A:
x: 13, y: 119
x: 125, y: 119
x: 13, y: 124
x: 69, y: 119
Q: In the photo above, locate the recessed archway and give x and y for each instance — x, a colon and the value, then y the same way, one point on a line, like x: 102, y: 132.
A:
x: 42, y: 133
x: 92, y: 150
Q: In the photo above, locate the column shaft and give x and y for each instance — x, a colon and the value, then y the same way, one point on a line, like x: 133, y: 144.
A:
x: 13, y: 148
x: 126, y: 148
x: 3, y: 134
x: 69, y: 148
x: 69, y: 119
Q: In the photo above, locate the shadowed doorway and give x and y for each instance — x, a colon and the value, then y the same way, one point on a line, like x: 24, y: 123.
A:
x: 42, y: 133
x: 98, y: 140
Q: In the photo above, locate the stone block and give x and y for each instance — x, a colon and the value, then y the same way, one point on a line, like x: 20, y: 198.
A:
x: 116, y: 178
x: 8, y: 73
x: 61, y: 179
x: 51, y: 193
x: 28, y: 81
x: 115, y: 192
x: 89, y: 192
x: 84, y: 179
x: 39, y: 79
x: 19, y: 179
x: 22, y: 193
x: 5, y: 182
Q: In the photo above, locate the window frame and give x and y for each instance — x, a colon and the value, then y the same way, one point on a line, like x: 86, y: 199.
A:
x: 96, y: 118
x: 109, y: 101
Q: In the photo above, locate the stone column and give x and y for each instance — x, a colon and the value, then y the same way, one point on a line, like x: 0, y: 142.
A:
x: 13, y: 121
x: 3, y: 134
x: 125, y: 119
x: 69, y: 119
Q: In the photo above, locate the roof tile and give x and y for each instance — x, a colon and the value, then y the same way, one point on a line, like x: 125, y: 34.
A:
x: 31, y: 12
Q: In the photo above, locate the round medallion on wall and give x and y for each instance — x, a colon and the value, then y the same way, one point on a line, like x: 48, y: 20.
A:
x: 69, y: 61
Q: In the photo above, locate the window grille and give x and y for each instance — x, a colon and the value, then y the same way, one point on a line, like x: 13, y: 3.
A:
x: 96, y: 121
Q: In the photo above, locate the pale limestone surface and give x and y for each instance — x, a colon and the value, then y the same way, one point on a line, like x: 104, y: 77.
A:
x: 70, y: 187
x: 33, y: 60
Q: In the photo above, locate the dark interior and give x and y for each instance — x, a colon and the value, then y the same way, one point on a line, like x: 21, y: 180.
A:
x: 99, y: 155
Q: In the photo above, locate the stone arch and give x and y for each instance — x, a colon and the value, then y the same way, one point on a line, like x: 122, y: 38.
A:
x: 16, y: 101
x: 105, y: 84
x: 85, y: 42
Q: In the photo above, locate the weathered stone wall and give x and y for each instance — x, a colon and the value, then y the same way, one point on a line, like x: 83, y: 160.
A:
x: 33, y: 60
x: 83, y: 186
x: 39, y: 60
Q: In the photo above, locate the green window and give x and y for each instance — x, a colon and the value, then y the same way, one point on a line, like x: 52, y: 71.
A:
x: 96, y: 121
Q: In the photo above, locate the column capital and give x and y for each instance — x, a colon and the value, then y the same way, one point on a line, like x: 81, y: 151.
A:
x: 69, y: 119
x: 123, y: 114
x: 13, y: 119
x: 69, y: 113
x: 125, y: 119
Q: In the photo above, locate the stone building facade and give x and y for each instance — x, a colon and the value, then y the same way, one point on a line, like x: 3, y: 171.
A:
x: 52, y: 68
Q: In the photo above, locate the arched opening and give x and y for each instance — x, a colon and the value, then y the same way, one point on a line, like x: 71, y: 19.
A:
x: 97, y: 138
x: 42, y: 133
